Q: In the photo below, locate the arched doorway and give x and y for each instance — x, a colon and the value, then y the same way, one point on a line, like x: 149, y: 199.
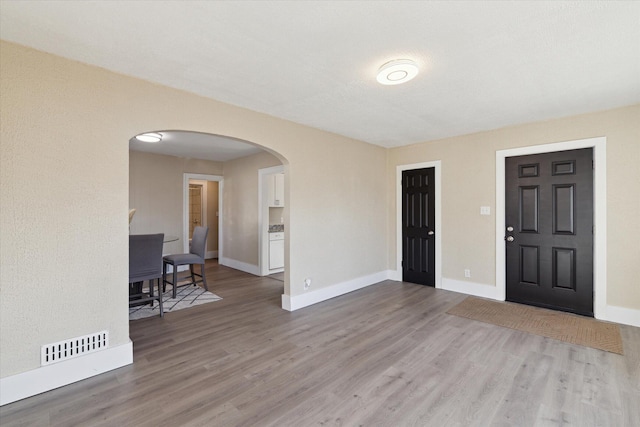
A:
x: 232, y: 164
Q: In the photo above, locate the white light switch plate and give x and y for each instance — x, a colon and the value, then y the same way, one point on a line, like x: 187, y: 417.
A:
x: 485, y: 210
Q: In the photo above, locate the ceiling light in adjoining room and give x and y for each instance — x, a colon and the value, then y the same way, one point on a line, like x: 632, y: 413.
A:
x: 397, y: 71
x: 149, y: 137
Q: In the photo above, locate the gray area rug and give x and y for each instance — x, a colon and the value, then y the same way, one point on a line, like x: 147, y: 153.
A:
x: 188, y: 296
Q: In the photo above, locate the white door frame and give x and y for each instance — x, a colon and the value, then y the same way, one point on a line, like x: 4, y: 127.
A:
x: 599, y: 146
x: 437, y: 165
x: 263, y: 218
x: 185, y: 207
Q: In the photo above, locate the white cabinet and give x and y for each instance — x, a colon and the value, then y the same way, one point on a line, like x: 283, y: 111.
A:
x: 276, y: 190
x: 276, y: 250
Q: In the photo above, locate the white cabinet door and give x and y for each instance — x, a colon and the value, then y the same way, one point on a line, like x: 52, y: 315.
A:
x: 276, y: 254
x: 276, y: 190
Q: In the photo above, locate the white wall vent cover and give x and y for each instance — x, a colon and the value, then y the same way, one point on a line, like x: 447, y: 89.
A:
x: 74, y: 347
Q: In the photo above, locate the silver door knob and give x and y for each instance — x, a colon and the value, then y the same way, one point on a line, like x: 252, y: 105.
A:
x: 509, y: 228
x: 431, y: 233
x: 510, y: 239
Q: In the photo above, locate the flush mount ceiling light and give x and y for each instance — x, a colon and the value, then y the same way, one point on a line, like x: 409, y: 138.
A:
x: 149, y: 137
x: 397, y: 71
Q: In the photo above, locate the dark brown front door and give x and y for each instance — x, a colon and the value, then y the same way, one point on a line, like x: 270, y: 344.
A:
x: 418, y: 227
x: 549, y: 219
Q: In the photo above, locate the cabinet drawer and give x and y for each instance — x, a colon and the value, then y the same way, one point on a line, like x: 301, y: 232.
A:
x: 276, y: 236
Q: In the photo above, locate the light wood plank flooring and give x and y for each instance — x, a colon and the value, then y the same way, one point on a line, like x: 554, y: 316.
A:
x: 387, y: 355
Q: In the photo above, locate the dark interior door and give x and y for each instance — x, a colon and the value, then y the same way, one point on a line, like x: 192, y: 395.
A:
x: 549, y: 219
x: 418, y: 227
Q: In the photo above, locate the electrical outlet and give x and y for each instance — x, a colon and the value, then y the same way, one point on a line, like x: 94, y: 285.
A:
x: 467, y: 272
x: 307, y: 284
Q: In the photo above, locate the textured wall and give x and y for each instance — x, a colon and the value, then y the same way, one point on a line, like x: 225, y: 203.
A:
x: 63, y: 216
x: 468, y: 182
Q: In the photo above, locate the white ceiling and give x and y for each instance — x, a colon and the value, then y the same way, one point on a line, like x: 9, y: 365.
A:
x: 196, y: 145
x: 484, y: 65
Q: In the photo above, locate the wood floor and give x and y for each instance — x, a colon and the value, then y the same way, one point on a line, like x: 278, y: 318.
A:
x: 387, y: 355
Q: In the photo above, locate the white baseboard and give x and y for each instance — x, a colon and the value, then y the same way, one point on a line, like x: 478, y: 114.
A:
x: 45, y: 378
x: 395, y: 275
x: 471, y: 288
x: 623, y: 315
x: 292, y: 303
x: 211, y: 255
x: 286, y: 302
x: 239, y: 265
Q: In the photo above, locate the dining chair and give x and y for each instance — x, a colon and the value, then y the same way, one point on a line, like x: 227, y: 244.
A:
x: 194, y: 257
x: 145, y: 263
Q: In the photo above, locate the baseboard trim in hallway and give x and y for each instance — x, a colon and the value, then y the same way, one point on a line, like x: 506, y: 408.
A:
x: 296, y: 302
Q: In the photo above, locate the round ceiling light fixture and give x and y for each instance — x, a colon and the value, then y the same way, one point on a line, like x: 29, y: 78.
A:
x: 149, y: 137
x: 397, y: 71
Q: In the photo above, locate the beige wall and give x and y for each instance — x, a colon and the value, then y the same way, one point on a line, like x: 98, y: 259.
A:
x: 64, y: 242
x: 156, y: 192
x: 64, y: 179
x: 240, y: 205
x: 468, y: 182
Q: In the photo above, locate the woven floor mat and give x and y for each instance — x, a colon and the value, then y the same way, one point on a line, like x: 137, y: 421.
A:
x: 547, y: 323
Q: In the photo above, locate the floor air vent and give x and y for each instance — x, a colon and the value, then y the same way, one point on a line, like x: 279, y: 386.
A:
x: 74, y: 347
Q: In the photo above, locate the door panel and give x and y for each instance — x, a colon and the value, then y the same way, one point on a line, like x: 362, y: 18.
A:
x: 418, y: 226
x: 530, y: 264
x: 549, y: 250
x: 564, y: 268
x: 528, y: 209
x: 563, y: 209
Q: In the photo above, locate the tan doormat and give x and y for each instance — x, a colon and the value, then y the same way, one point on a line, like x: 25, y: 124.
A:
x: 539, y: 321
